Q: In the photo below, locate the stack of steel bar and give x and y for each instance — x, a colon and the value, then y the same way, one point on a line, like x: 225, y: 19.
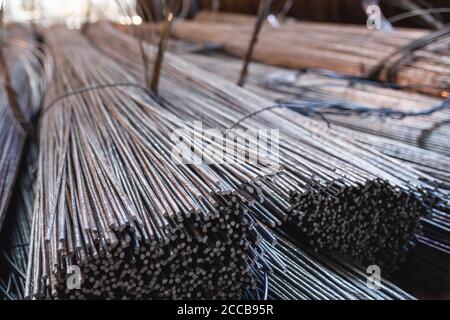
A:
x: 25, y: 63
x: 284, y: 85
x: 433, y: 252
x: 15, y: 239
x: 352, y: 50
x: 343, y: 195
x: 294, y: 272
x: 112, y: 200
x: 429, y: 259
x: 299, y: 274
x: 429, y: 131
x: 288, y: 270
x: 18, y: 248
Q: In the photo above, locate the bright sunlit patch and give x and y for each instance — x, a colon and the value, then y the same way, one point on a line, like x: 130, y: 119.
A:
x: 136, y: 19
x: 72, y: 11
x: 125, y: 20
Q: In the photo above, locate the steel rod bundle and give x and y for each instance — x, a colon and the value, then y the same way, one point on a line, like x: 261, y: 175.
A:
x: 25, y: 63
x: 15, y: 240
x: 427, y: 131
x: 351, y: 50
x: 284, y: 85
x: 342, y: 195
x: 111, y: 200
x: 296, y: 273
x: 430, y: 163
x: 432, y: 254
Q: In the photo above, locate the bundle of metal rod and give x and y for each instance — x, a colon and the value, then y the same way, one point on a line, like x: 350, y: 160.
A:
x: 113, y: 200
x: 435, y: 228
x: 281, y: 84
x: 372, y: 131
x: 343, y: 195
x: 15, y: 240
x: 433, y: 250
x: 351, y: 50
x: 427, y: 131
x: 296, y: 273
x: 25, y: 63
